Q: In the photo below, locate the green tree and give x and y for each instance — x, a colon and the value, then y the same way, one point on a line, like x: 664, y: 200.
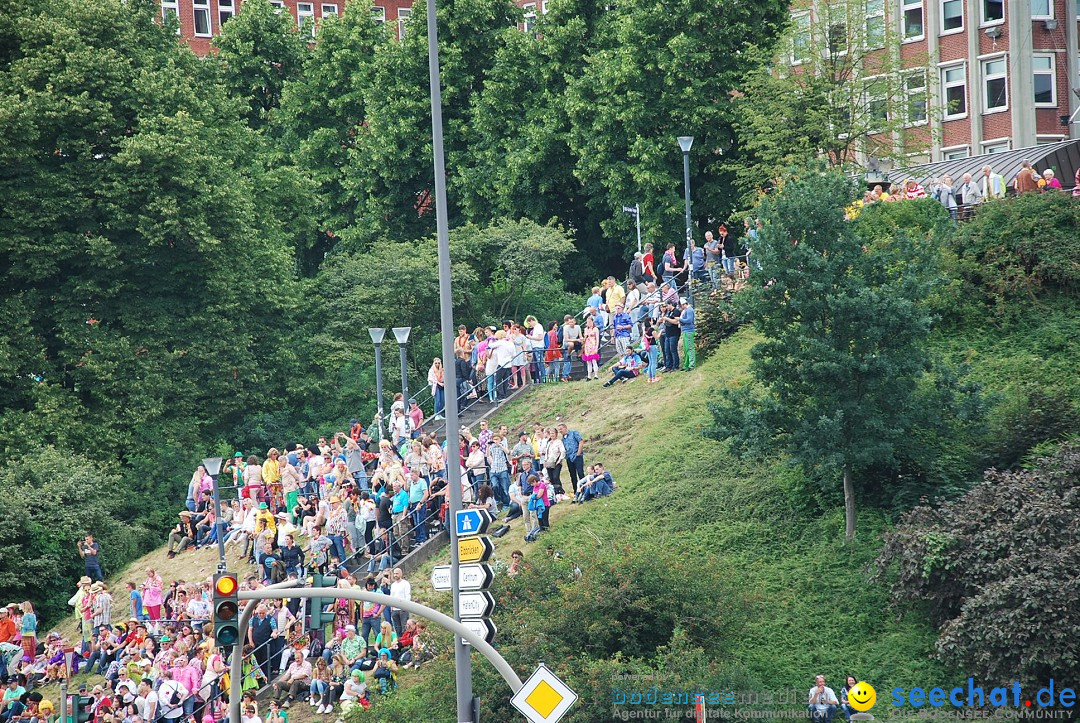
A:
x: 392, y: 179
x: 259, y: 51
x: 836, y: 381
x: 322, y: 113
x: 51, y: 500
x: 837, y: 91
x: 659, y: 70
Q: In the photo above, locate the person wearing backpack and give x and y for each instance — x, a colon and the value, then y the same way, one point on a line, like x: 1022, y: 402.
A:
x: 172, y: 695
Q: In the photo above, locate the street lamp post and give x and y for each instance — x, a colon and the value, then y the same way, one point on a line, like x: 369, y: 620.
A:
x: 685, y: 142
x: 213, y: 468
x: 377, y: 338
x: 466, y: 709
x: 401, y: 333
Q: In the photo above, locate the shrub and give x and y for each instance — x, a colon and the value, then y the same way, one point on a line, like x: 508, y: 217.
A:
x: 997, y: 569
x: 716, y: 320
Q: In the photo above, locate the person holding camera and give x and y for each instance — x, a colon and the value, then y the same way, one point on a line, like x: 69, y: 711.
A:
x: 89, y: 551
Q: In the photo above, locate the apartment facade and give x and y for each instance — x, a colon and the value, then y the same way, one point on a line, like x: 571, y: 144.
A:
x: 1001, y: 73
x: 202, y: 20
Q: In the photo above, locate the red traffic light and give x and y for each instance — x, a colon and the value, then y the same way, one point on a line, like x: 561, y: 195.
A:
x: 225, y: 585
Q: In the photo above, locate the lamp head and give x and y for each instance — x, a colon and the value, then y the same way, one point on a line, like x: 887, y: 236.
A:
x: 376, y: 335
x: 685, y: 142
x: 401, y: 333
x: 213, y: 465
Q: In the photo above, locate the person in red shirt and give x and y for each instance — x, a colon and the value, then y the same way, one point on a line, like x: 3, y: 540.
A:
x: 648, y: 264
x: 7, y: 635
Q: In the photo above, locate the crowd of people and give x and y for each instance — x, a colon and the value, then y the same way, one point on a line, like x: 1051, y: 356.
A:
x: 962, y: 197
x: 348, y: 507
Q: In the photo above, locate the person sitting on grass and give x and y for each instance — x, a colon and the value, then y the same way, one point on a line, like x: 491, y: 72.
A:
x: 626, y: 368
x: 386, y: 672
x: 597, y: 483
x: 822, y: 702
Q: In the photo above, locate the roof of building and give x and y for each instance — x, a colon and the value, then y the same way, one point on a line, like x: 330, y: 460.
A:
x: 1062, y: 157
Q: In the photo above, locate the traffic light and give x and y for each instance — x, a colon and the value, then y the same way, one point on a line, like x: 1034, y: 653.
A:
x: 320, y: 617
x: 226, y: 610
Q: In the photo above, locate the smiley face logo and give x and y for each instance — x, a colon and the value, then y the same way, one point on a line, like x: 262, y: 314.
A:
x: 862, y: 696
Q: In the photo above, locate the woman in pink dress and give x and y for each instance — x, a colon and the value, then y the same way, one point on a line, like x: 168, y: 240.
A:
x: 591, y: 353
x: 151, y: 593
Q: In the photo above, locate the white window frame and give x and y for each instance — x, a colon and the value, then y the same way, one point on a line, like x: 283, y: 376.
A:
x: 943, y: 71
x: 953, y: 153
x: 1038, y: 16
x: 797, y: 20
x: 203, y: 7
x: 983, y: 22
x: 170, y: 6
x: 530, y: 17
x: 379, y: 13
x: 401, y: 19
x: 543, y: 7
x: 278, y: 6
x: 908, y: 94
x: 328, y: 10
x: 1052, y: 72
x: 1049, y: 140
x: 305, y: 18
x: 878, y: 15
x: 869, y: 98
x: 984, y: 79
x: 226, y: 12
x: 941, y: 14
x: 996, y: 145
x: 908, y: 5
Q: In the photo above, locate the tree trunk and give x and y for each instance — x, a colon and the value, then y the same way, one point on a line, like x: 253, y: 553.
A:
x: 849, y: 506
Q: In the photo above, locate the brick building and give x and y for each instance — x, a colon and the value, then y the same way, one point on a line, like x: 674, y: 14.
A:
x: 1001, y: 74
x: 201, y: 20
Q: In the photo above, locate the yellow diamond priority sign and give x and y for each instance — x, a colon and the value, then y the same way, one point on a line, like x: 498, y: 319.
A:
x: 544, y: 698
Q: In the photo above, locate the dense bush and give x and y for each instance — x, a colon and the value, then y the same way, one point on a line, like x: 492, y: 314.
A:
x: 997, y: 570
x: 717, y: 319
x: 1018, y: 247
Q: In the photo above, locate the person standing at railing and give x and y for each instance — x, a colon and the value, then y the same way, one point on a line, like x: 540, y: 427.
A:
x: 623, y: 325
x: 572, y: 342
x: 502, y: 353
x: 669, y: 339
x: 438, y: 388
x: 689, y: 331
x: 520, y: 377
x: 537, y: 340
x: 670, y: 265
x: 590, y: 353
x: 418, y: 498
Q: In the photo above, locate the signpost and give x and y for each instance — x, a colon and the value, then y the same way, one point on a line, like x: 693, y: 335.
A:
x: 476, y: 576
x: 476, y: 604
x: 481, y: 627
x: 472, y: 522
x: 475, y: 549
x: 635, y: 211
x: 544, y: 698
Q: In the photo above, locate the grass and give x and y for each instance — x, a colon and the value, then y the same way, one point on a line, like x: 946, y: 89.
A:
x: 806, y: 603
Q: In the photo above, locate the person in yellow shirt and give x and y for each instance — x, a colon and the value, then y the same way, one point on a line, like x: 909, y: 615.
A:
x: 265, y: 519
x: 615, y: 294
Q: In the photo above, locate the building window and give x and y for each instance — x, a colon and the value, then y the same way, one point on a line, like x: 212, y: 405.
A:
x: 305, y: 18
x: 800, y: 45
x: 995, y: 85
x: 543, y: 7
x: 954, y: 91
x: 955, y: 153
x: 225, y: 11
x: 329, y: 10
x: 1042, y: 9
x: 952, y: 16
x: 876, y: 95
x: 530, y: 16
x: 999, y: 146
x: 915, y: 98
x: 278, y: 6
x: 1048, y: 140
x: 201, y: 11
x: 993, y: 11
x: 402, y: 15
x: 379, y: 14
x: 170, y: 8
x: 912, y: 19
x: 875, y: 23
x: 1042, y: 67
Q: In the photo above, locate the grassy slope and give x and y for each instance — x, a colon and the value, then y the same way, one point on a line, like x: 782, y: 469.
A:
x: 807, y: 604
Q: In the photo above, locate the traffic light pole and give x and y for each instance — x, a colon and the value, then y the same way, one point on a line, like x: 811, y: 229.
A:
x: 218, y: 527
x: 236, y: 681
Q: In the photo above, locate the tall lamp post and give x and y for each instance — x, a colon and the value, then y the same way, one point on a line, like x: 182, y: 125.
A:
x: 401, y: 333
x: 685, y: 142
x: 213, y: 468
x: 376, y: 339
x: 466, y: 707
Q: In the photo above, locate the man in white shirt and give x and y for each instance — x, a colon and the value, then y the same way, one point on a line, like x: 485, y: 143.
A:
x: 969, y: 193
x: 147, y: 701
x: 401, y: 589
x: 991, y: 184
x: 822, y: 701
x: 172, y: 693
